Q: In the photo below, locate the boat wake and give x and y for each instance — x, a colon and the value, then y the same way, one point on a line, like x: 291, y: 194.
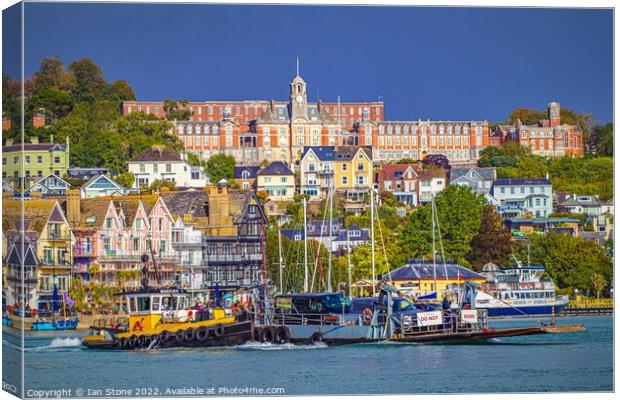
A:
x: 59, y: 343
x: 288, y: 346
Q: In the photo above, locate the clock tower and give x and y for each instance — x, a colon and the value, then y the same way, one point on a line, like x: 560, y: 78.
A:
x: 298, y: 99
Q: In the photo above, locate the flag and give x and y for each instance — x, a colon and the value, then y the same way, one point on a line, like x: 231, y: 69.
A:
x: 68, y: 300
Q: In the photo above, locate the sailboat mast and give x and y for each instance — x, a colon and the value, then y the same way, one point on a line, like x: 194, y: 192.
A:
x: 305, y: 247
x: 280, y: 256
x: 331, y: 222
x: 372, y: 239
x: 349, y: 263
x: 433, y: 233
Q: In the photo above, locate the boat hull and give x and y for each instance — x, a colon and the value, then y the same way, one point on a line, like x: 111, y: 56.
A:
x: 525, y: 311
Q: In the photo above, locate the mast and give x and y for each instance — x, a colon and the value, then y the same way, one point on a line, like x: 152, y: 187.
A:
x: 329, y: 256
x: 372, y: 239
x: 433, y: 233
x: 305, y: 247
x: 280, y: 255
x: 349, y: 263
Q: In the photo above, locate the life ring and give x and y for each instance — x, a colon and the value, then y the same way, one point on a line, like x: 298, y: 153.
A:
x: 218, y: 332
x: 268, y: 334
x: 179, y: 336
x: 202, y: 334
x: 366, y: 316
x: 137, y: 326
x: 189, y: 335
x: 258, y: 334
x: 282, y: 335
x: 317, y: 337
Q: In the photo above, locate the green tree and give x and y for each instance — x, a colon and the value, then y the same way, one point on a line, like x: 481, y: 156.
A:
x: 570, y: 261
x: 601, y: 140
x: 220, y: 166
x: 493, y: 243
x: 52, y: 75
x: 458, y: 211
x: 193, y: 160
x: 89, y: 82
x: 599, y: 283
x: 123, y: 90
x: 158, y: 184
x: 177, y: 110
x: 126, y: 179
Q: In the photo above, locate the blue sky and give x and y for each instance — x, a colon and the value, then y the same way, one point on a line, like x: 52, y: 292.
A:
x: 438, y: 63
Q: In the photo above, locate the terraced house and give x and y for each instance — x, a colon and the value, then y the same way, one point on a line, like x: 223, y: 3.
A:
x: 38, y: 160
x: 47, y: 240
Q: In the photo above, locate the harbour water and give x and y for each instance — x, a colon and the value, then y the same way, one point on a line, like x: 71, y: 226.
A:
x: 543, y: 363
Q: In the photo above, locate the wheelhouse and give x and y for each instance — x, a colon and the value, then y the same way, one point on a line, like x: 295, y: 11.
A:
x: 312, y: 303
x: 155, y: 301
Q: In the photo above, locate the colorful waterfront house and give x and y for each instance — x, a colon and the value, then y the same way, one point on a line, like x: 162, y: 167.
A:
x: 47, y: 230
x: 101, y: 186
x: 277, y: 210
x: 353, y: 177
x: 20, y: 277
x: 478, y: 179
x: 402, y: 180
x: 37, y: 159
x: 433, y: 179
x: 517, y: 197
x: 51, y: 185
x: 317, y: 171
x: 233, y: 240
x: 245, y: 176
x: 421, y: 276
x: 278, y: 180
x: 161, y: 163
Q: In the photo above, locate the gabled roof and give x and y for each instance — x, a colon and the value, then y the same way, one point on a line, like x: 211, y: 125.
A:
x: 483, y: 173
x: 129, y: 207
x: 14, y: 255
x: 93, y: 212
x: 239, y: 200
x: 432, y: 172
x: 323, y: 153
x: 276, y: 168
x: 36, y: 214
x: 395, y: 171
x: 182, y: 203
x: 102, y: 180
x: 239, y: 170
x: 157, y: 153
x: 423, y: 269
x: 42, y: 180
x: 346, y: 153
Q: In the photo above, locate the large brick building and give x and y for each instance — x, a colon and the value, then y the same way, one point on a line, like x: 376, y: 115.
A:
x: 548, y: 138
x: 253, y: 131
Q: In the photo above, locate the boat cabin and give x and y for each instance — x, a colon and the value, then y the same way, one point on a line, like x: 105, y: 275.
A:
x: 312, y: 303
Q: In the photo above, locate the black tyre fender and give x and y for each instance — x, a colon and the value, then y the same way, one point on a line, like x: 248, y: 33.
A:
x: 282, y: 335
x: 178, y: 336
x: 202, y: 334
x: 133, y: 341
x: 269, y: 334
x: 219, y: 331
x: 189, y: 335
x: 317, y: 337
x: 164, y: 337
x: 258, y: 334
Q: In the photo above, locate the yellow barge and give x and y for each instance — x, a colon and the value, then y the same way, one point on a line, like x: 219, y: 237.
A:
x: 162, y: 318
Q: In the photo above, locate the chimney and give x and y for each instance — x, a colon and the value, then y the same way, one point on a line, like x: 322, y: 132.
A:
x: 38, y: 120
x: 34, y: 140
x: 272, y: 105
x: 9, y: 142
x: 73, y: 207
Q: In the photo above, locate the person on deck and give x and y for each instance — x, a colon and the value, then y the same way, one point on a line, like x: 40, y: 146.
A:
x: 445, y: 305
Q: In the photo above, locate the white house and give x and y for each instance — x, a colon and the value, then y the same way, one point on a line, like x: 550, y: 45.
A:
x: 432, y: 181
x: 516, y: 197
x: 51, y: 185
x: 160, y: 162
x: 101, y: 185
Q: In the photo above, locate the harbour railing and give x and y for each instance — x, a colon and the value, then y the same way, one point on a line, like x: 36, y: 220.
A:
x: 452, y: 321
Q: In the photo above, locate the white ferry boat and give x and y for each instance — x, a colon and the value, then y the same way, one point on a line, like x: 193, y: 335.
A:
x: 518, y: 291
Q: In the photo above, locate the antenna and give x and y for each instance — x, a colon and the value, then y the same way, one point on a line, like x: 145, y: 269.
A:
x: 298, y: 64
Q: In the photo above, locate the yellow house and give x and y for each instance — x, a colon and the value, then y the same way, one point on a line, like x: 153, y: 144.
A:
x: 353, y: 171
x: 38, y: 159
x: 48, y: 233
x: 277, y: 180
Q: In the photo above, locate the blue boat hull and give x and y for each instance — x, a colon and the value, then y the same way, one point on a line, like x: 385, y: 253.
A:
x: 55, y: 326
x: 524, y: 310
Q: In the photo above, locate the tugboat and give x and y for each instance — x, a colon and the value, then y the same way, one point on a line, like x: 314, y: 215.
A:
x: 518, y: 291
x: 160, y: 318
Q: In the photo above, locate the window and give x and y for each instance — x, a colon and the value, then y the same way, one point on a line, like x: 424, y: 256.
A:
x: 108, y: 223
x: 155, y: 168
x: 56, y: 160
x: 142, y: 168
x: 3, y: 160
x: 168, y: 167
x: 283, y: 179
x: 344, y: 180
x: 344, y: 166
x: 27, y: 159
x: 15, y: 160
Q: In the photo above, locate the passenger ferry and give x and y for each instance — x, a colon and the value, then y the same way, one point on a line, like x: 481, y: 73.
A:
x: 518, y: 291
